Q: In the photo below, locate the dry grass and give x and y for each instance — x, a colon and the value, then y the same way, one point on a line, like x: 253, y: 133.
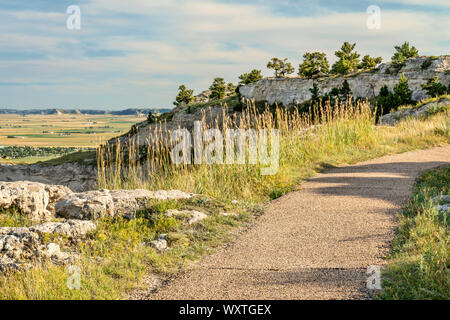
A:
x: 331, y: 135
x: 114, y: 259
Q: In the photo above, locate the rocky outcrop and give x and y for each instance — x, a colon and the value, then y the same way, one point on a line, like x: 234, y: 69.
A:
x: 72, y: 229
x: 393, y: 117
x: 23, y: 247
x: 292, y: 91
x: 93, y: 205
x: 36, y: 200
x: 77, y: 176
x: 183, y: 117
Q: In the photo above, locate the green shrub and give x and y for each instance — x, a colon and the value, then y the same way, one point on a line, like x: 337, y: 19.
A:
x: 434, y: 88
x: 426, y: 64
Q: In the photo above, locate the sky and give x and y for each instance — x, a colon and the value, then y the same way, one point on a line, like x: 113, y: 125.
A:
x: 136, y: 53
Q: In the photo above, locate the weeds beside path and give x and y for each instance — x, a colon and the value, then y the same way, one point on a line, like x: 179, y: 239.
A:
x: 419, y: 267
x: 317, y: 242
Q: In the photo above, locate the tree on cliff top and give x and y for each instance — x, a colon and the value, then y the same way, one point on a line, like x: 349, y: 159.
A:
x: 348, y: 60
x: 251, y: 77
x: 403, y: 53
x: 314, y: 63
x: 184, y: 95
x: 281, y: 67
x: 369, y: 62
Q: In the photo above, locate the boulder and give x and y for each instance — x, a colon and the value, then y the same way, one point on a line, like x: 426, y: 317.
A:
x: 33, y: 199
x: 159, y: 244
x: 21, y: 247
x: 93, y: 205
x: 193, y: 216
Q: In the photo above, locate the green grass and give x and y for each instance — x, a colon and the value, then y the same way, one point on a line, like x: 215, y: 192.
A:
x: 83, y: 157
x: 232, y: 102
x: 419, y: 266
x: 13, y: 218
x: 115, y: 256
x: 435, y: 99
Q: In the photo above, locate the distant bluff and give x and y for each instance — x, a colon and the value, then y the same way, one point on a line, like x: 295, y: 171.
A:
x: 293, y: 91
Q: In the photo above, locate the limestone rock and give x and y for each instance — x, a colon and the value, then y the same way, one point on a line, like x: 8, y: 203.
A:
x: 34, y: 199
x: 192, y: 215
x: 93, y: 205
x: 393, y: 117
x: 76, y: 176
x: 291, y: 91
x: 441, y: 199
x: 70, y: 228
x: 443, y: 207
x: 21, y: 247
x: 160, y: 244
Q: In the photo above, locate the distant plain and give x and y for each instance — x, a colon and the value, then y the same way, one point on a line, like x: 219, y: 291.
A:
x: 64, y: 130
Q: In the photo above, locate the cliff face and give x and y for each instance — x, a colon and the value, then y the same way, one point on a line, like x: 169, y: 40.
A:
x: 292, y: 91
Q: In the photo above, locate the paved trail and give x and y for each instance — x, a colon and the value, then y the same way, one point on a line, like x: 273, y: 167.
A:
x: 315, y: 243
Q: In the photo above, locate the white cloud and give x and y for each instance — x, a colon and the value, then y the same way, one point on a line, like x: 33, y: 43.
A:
x: 203, y: 40
x: 444, y: 3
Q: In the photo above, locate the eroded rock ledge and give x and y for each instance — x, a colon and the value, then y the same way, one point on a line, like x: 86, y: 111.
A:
x: 22, y: 247
x: 292, y: 91
x: 76, y: 176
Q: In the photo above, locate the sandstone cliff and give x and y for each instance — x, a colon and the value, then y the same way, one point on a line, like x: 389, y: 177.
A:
x: 292, y: 91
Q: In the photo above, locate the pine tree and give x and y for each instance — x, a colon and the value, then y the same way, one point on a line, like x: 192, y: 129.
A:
x: 218, y: 89
x: 184, y: 96
x: 314, y: 63
x: 369, y: 62
x: 315, y: 98
x: 348, y: 60
x: 251, y: 77
x: 402, y: 93
x: 281, y: 67
x: 385, y: 101
x: 345, y: 90
x: 403, y: 53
